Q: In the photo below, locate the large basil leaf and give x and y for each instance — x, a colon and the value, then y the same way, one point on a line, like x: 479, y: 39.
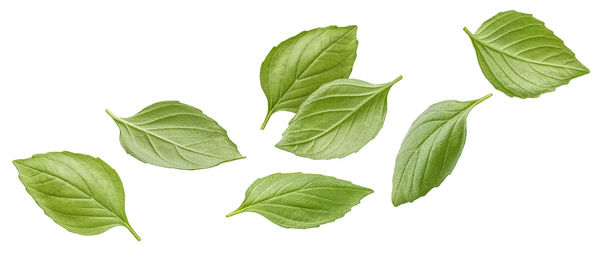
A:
x: 175, y: 135
x: 298, y: 200
x: 81, y: 193
x: 523, y: 58
x: 338, y: 119
x: 299, y: 65
x: 431, y: 149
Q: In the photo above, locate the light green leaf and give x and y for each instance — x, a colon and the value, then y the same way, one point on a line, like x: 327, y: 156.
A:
x: 431, y: 149
x: 523, y: 58
x: 299, y: 65
x: 298, y: 200
x: 175, y: 135
x: 338, y: 119
x: 81, y: 193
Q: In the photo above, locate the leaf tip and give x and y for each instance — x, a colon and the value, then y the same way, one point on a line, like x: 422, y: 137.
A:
x: 396, y: 202
x: 586, y: 70
x: 280, y: 144
x: 369, y: 191
x: 17, y: 162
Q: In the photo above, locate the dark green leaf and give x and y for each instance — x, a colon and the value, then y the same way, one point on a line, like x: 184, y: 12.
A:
x: 431, y: 149
x: 299, y: 65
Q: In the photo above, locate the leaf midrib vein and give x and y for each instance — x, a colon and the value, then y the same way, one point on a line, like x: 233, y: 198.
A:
x: 121, y: 220
x: 298, y: 77
x: 322, y: 52
x: 165, y: 139
x: 296, y: 190
x: 522, y: 58
x: 342, y: 120
x: 425, y: 140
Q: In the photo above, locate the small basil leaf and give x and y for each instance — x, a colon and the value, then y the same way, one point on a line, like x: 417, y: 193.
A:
x: 175, y: 135
x: 338, y: 119
x: 299, y: 65
x: 523, y: 58
x: 431, y: 149
x: 81, y: 193
x: 298, y: 200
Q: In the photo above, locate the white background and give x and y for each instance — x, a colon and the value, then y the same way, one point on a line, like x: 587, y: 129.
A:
x: 527, y: 181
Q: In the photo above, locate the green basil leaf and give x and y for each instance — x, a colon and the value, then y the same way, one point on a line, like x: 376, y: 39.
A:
x: 298, y: 200
x: 299, y: 65
x: 175, y: 135
x: 431, y: 149
x: 338, y: 119
x: 523, y: 58
x: 81, y: 193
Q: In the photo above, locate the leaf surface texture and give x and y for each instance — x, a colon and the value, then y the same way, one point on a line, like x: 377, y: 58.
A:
x: 298, y: 200
x: 175, y: 135
x: 337, y: 120
x: 81, y: 193
x: 299, y: 65
x: 523, y: 58
x: 431, y: 149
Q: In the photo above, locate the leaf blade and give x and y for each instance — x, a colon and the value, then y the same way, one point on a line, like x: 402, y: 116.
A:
x: 521, y: 57
x: 175, y: 135
x: 298, y: 200
x: 81, y: 193
x: 424, y: 159
x: 337, y: 120
x: 299, y: 65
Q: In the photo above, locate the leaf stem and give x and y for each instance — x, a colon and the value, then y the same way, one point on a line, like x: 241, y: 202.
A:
x: 467, y: 31
x: 111, y: 114
x: 395, y: 80
x: 234, y: 213
x: 137, y: 237
x: 264, y: 124
x: 482, y: 99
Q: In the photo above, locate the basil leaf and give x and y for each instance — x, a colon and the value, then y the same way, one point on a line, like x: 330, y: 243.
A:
x: 431, y: 149
x: 299, y: 65
x: 175, y: 135
x: 521, y: 57
x: 298, y: 200
x: 81, y: 193
x: 338, y: 119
